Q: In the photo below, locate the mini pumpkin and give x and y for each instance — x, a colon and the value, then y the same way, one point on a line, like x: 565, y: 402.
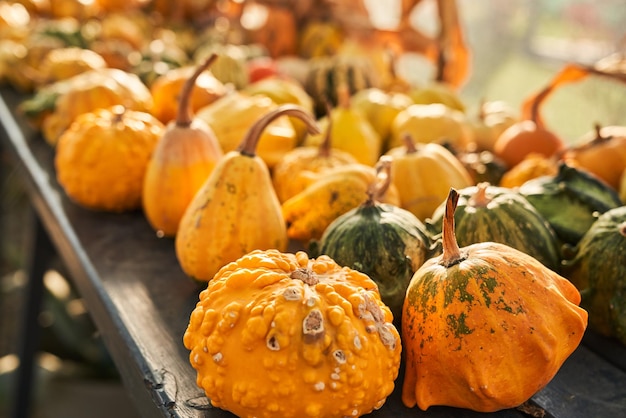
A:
x: 485, y: 326
x: 281, y: 335
x: 423, y: 175
x: 101, y: 159
x: 291, y: 174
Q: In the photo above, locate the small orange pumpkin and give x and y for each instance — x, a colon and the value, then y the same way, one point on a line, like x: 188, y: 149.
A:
x: 101, y: 158
x: 281, y: 335
x: 485, y: 326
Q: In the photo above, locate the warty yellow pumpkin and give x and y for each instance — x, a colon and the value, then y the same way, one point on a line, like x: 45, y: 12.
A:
x: 236, y: 210
x: 281, y: 335
x: 101, y: 158
x: 485, y: 326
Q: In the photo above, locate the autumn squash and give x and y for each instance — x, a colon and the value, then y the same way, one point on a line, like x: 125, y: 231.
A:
x: 329, y: 194
x: 428, y: 123
x: 485, y: 326
x: 291, y: 174
x: 597, y: 267
x: 284, y: 90
x: 231, y: 116
x: 63, y: 101
x: 570, y: 201
x: 423, y: 175
x: 182, y: 161
x: 166, y: 88
x: 381, y: 240
x: 489, y: 213
x: 101, y: 159
x: 236, y: 210
x: 531, y: 167
x: 380, y: 107
x: 325, y: 74
x: 351, y: 130
x: 601, y: 152
x: 493, y: 118
x: 281, y: 335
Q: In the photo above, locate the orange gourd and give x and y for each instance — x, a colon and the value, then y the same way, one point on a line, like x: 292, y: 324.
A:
x: 236, y: 210
x: 281, y: 335
x: 101, y: 159
x: 166, y: 88
x: 182, y: 161
x: 602, y: 152
x: 485, y: 326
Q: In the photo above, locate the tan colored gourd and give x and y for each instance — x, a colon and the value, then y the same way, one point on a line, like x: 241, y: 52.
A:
x: 182, y: 161
x: 281, y: 335
x: 485, y: 326
x: 236, y: 210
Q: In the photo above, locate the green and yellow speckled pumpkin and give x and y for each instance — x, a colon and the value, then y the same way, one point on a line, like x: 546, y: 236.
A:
x: 485, y: 326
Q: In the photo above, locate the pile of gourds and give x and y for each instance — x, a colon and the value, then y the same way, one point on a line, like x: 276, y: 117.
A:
x: 331, y: 234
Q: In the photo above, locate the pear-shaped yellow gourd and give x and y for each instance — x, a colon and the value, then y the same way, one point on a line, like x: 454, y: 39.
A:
x: 236, y: 210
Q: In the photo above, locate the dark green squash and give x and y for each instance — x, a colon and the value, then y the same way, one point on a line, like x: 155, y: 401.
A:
x: 498, y: 214
x: 597, y: 267
x: 326, y: 74
x: 384, y: 241
x: 570, y: 201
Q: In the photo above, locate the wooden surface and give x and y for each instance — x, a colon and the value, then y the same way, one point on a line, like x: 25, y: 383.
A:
x: 140, y: 300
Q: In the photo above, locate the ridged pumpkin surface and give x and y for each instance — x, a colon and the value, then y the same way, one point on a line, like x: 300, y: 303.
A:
x: 598, y: 269
x: 485, y: 326
x: 490, y: 213
x: 281, y: 335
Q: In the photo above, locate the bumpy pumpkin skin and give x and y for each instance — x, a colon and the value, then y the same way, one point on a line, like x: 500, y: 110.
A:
x: 101, y: 159
x: 598, y: 270
x: 281, y: 335
x: 485, y: 326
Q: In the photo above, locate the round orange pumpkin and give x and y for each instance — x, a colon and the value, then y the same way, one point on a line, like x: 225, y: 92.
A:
x: 101, y: 158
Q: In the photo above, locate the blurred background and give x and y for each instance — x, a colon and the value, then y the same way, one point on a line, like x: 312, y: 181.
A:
x: 517, y: 46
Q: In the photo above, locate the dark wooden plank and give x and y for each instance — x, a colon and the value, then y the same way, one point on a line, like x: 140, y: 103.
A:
x: 587, y: 386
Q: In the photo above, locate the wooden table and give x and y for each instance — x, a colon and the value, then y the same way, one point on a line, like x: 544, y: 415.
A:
x: 140, y: 301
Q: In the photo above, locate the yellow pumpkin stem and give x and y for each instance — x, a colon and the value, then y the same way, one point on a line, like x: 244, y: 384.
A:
x: 451, y: 251
x: 383, y: 180
x: 184, y: 116
x: 250, y: 141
